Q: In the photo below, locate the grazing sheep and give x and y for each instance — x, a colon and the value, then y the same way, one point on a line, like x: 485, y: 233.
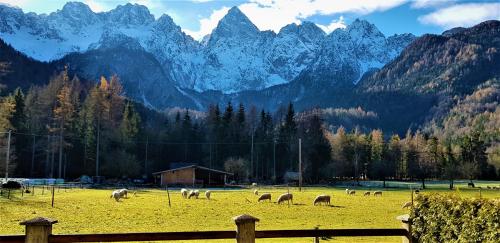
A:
x: 366, y: 194
x: 191, y: 194
x: 488, y: 187
x: 352, y: 192
x: 123, y: 192
x: 116, y: 195
x: 470, y: 184
x: 322, y: 199
x: 254, y: 184
x: 207, y: 194
x: 256, y: 192
x: 377, y: 193
x: 184, y: 192
x: 347, y: 191
x: 407, y: 205
x: 417, y: 191
x: 285, y: 197
x: 265, y: 196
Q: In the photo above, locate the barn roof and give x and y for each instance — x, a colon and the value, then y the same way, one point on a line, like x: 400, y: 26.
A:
x: 196, y: 167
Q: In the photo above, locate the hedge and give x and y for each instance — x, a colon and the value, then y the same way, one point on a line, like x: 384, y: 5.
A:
x: 446, y: 218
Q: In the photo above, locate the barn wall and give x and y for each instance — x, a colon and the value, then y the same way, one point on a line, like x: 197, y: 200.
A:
x: 178, y: 177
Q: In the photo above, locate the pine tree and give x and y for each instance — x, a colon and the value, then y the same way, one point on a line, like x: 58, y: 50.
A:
x: 130, y: 124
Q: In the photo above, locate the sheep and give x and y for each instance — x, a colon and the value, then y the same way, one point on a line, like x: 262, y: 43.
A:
x: 285, y: 197
x: 352, y: 192
x: 184, y: 192
x: 407, y: 205
x: 123, y: 192
x: 195, y: 194
x: 256, y: 192
x: 377, y: 193
x: 488, y: 187
x: 322, y: 199
x: 116, y: 195
x: 366, y: 194
x: 347, y: 191
x: 207, y: 194
x: 254, y: 184
x: 264, y: 196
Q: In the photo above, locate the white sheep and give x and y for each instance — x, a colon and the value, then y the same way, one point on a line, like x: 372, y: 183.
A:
x: 352, y: 192
x: 207, y: 194
x: 116, y: 195
x: 407, y: 205
x: 256, y: 192
x: 366, y: 194
x: 377, y: 193
x: 285, y: 197
x: 184, y: 192
x: 264, y: 196
x: 123, y: 192
x: 254, y: 184
x: 322, y: 199
x: 347, y: 191
x: 194, y: 193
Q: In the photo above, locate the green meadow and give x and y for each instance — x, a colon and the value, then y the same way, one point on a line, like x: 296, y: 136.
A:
x: 92, y: 210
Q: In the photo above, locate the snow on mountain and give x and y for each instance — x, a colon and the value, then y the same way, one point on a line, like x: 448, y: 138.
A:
x: 235, y: 57
x: 294, y: 48
x: 347, y: 54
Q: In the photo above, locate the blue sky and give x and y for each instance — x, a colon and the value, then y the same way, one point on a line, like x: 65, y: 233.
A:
x: 199, y: 17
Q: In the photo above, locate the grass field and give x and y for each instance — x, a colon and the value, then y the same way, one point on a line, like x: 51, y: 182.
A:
x: 92, y: 211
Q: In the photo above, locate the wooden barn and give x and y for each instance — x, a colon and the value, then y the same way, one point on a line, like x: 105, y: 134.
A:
x: 192, y: 175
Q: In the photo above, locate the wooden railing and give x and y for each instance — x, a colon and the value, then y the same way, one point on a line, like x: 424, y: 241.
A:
x: 39, y: 230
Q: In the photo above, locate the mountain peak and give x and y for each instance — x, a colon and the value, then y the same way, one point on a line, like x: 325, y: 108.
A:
x: 133, y: 14
x: 76, y: 6
x: 361, y: 28
x: 235, y: 23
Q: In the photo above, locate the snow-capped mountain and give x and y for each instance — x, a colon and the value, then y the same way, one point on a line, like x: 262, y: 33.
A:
x: 235, y: 57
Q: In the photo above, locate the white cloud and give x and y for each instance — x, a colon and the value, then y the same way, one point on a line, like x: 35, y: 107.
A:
x: 201, y: 1
x: 462, y: 15
x: 274, y: 14
x: 208, y: 24
x: 335, y: 24
x: 430, y: 3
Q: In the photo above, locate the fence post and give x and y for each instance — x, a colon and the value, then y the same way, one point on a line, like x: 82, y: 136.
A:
x: 245, y: 228
x: 38, y: 229
x: 406, y: 224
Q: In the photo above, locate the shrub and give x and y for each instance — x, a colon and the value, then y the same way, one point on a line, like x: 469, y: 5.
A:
x: 11, y: 185
x: 445, y: 218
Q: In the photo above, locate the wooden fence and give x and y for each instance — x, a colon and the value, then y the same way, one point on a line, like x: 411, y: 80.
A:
x: 39, y: 230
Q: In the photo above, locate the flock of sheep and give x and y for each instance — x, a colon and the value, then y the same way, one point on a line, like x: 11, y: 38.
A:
x: 286, y: 197
x: 194, y: 193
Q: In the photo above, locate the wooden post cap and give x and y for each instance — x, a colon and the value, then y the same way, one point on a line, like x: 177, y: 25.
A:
x: 405, y: 218
x: 245, y: 218
x: 39, y: 221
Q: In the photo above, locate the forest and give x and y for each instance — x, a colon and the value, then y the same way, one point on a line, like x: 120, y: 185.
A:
x: 70, y: 128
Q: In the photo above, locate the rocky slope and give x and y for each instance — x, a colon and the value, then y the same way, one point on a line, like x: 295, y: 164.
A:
x: 235, y: 57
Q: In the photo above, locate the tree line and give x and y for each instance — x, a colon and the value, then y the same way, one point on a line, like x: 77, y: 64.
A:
x: 69, y: 128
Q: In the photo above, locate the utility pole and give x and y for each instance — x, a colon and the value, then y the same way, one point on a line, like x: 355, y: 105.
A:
x: 33, y: 156
x: 146, y: 157
x: 47, y: 159
x: 274, y: 159
x: 251, y: 158
x: 97, y: 147
x: 7, y: 158
x: 60, y: 154
x: 300, y: 164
